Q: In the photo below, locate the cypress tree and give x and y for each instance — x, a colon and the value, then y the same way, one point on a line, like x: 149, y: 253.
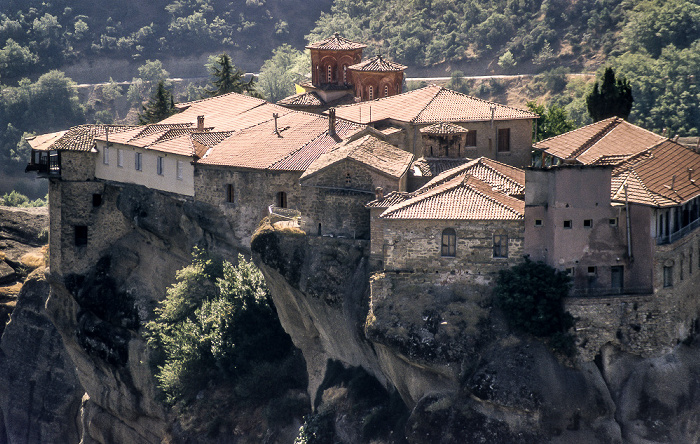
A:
x: 613, y: 97
x: 160, y: 106
x: 227, y: 78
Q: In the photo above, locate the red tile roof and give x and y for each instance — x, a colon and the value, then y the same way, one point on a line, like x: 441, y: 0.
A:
x: 667, y: 175
x: 78, y: 138
x: 303, y: 99
x: 605, y: 142
x: 300, y: 139
x: 432, y: 104
x: 432, y: 166
x: 462, y: 198
x: 367, y: 150
x: 377, y: 64
x: 444, y: 128
x: 393, y: 198
x: 336, y: 42
x: 505, y: 178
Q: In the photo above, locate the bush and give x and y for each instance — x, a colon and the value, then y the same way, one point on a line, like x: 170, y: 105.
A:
x: 216, y: 323
x: 531, y: 296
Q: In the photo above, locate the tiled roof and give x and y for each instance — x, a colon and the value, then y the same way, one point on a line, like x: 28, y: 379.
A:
x: 78, y: 138
x: 444, y: 128
x: 367, y: 150
x: 432, y: 104
x: 377, y: 64
x: 667, y: 175
x: 603, y: 142
x: 505, y: 178
x: 462, y: 198
x: 303, y: 99
x: 336, y: 42
x: 432, y: 166
x: 388, y: 130
x: 389, y: 200
x: 300, y: 139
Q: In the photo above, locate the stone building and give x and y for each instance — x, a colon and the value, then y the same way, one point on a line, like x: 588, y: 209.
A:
x: 495, y: 131
x: 376, y: 78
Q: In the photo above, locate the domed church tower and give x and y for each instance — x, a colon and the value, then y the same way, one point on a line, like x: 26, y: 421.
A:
x: 376, y: 78
x: 330, y: 59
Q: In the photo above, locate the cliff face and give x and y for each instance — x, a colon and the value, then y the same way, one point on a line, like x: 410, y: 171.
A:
x: 455, y: 363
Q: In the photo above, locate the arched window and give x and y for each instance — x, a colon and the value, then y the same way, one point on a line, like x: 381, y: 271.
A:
x: 370, y: 92
x: 449, y: 243
x: 281, y: 199
x: 345, y: 73
x: 330, y: 73
x: 348, y: 179
x: 386, y: 90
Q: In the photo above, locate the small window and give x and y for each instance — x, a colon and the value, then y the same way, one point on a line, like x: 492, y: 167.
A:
x: 386, y: 90
x: 281, y: 199
x: 569, y: 271
x: 612, y: 221
x: 592, y: 271
x: 105, y: 155
x: 348, y: 179
x: 668, y: 276
x: 471, y: 138
x: 538, y: 222
x: 96, y: 200
x: 617, y: 280
x: 230, y: 195
x: 120, y: 158
x: 504, y: 140
x: 330, y: 73
x: 160, y: 165
x: 567, y: 224
x: 449, y: 243
x: 345, y: 73
x: 370, y: 92
x: 179, y: 170
x: 587, y: 223
x: 137, y: 161
x: 81, y: 235
x: 500, y: 245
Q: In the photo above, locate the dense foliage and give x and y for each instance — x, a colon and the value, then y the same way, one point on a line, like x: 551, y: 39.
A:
x: 278, y: 74
x: 159, y: 107
x: 531, y: 296
x: 216, y: 324
x: 15, y: 199
x: 551, y: 122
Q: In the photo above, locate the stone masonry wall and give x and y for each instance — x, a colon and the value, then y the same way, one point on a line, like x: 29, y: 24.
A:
x: 416, y: 245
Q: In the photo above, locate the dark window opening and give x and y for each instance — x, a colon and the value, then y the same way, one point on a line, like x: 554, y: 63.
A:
x: 612, y: 222
x: 230, y: 193
x: 503, y: 140
x: 282, y: 199
x: 587, y: 223
x: 617, y: 277
x: 567, y: 224
x: 96, y: 200
x: 319, y: 230
x: 500, y: 246
x: 592, y: 271
x: 668, y: 276
x: 538, y: 222
x: 348, y: 179
x: 471, y: 138
x: 569, y: 271
x: 81, y: 235
x: 449, y: 243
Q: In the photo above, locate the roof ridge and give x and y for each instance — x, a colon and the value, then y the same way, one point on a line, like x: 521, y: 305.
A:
x: 186, y: 105
x: 480, y: 183
x: 452, y: 183
x: 439, y: 90
x: 595, y: 138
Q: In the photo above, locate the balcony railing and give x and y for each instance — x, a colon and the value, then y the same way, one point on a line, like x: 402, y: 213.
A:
x: 578, y: 292
x: 671, y: 238
x: 45, y: 163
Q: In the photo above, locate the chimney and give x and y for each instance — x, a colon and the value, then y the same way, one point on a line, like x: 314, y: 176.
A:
x: 690, y: 175
x: 493, y: 112
x: 379, y: 193
x: 200, y: 122
x: 675, y: 138
x: 673, y: 182
x: 275, y: 116
x: 331, y: 122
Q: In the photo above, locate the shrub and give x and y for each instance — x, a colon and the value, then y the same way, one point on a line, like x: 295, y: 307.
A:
x: 531, y: 296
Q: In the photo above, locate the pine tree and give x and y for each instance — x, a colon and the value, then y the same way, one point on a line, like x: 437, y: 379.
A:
x: 160, y: 106
x: 612, y: 98
x: 227, y: 78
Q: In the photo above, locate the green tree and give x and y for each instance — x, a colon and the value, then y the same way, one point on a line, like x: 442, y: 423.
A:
x: 159, y: 107
x: 531, y: 295
x: 16, y: 60
x: 226, y: 78
x: 612, y: 99
x: 507, y: 61
x: 216, y: 323
x: 552, y: 121
x: 279, y: 73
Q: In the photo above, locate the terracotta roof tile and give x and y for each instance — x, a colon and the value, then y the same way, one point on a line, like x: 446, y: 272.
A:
x: 505, y: 178
x: 433, y: 166
x: 393, y: 198
x: 79, y: 138
x: 43, y: 142
x: 367, y: 150
x: 432, y: 104
x: 303, y: 99
x: 444, y: 128
x: 300, y: 139
x: 462, y: 198
x: 603, y: 142
x: 664, y: 176
x: 336, y: 42
x: 377, y: 64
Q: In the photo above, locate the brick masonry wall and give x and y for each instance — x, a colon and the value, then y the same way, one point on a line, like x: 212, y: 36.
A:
x: 416, y: 245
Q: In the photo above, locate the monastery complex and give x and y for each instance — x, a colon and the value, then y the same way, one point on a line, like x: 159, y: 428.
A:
x: 440, y: 186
